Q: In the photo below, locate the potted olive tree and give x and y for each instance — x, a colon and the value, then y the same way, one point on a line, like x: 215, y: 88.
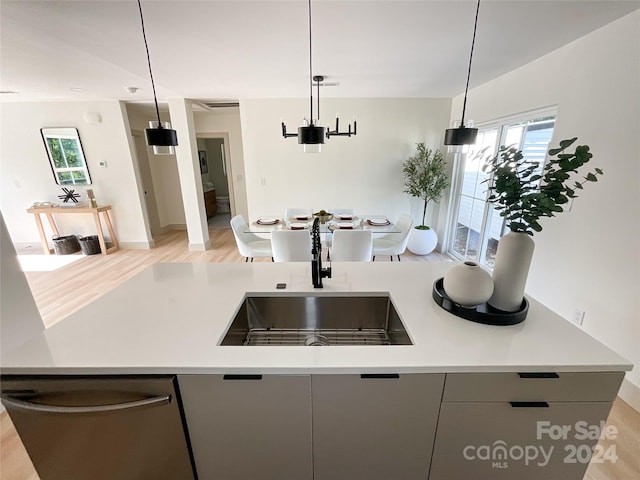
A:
x: 424, y: 178
x: 523, y: 193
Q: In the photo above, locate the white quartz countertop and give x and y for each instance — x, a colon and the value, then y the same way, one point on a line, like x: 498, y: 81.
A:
x: 170, y: 318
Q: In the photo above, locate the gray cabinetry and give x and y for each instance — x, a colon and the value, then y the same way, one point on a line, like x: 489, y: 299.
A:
x: 524, y: 426
x: 249, y: 426
x: 374, y: 426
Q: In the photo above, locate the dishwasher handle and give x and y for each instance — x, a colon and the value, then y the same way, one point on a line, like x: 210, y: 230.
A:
x: 116, y: 407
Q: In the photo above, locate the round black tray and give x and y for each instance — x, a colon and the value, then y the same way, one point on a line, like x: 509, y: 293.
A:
x: 483, y: 313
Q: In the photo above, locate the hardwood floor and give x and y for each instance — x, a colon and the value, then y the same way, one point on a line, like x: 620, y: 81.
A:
x: 63, y: 291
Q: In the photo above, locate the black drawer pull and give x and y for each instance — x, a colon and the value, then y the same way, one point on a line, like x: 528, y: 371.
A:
x: 379, y: 375
x: 242, y: 377
x: 538, y: 375
x: 529, y: 404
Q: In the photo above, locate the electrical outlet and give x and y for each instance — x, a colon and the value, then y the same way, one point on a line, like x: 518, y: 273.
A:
x: 578, y: 316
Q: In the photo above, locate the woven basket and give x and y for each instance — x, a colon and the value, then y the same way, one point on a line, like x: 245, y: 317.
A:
x: 66, y: 244
x: 90, y: 244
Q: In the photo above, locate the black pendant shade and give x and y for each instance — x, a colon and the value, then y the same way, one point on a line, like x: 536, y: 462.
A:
x: 311, y: 135
x: 460, y: 136
x: 158, y: 135
x: 161, y: 137
x: 464, y: 135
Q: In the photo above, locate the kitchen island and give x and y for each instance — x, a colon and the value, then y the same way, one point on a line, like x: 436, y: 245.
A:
x: 478, y: 384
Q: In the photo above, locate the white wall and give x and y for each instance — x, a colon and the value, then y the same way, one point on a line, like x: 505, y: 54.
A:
x: 363, y: 172
x: 587, y: 258
x: 25, y: 174
x: 164, y: 171
x: 181, y: 111
x: 227, y: 120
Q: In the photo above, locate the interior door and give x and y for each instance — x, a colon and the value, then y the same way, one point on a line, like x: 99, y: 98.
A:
x: 147, y: 183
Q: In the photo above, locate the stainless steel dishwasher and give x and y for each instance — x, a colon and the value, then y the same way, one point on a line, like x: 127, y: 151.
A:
x: 97, y: 428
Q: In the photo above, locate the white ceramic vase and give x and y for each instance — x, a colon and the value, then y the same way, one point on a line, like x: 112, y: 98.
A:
x: 468, y: 284
x: 510, y: 271
x: 422, y: 242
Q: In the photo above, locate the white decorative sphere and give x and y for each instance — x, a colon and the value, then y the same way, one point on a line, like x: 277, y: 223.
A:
x: 468, y: 284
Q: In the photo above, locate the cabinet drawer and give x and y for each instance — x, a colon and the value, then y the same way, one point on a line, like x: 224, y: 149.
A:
x: 549, y: 387
x: 492, y: 440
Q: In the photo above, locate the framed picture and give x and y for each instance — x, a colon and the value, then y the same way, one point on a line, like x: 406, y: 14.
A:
x: 66, y: 156
x: 204, y: 167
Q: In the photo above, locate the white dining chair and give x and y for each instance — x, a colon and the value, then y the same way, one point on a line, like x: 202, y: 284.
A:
x: 394, y: 243
x: 336, y: 212
x: 293, y: 212
x: 249, y: 244
x: 291, y: 245
x: 351, y: 246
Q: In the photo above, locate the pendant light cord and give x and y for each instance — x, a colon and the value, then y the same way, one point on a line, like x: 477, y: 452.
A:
x: 473, y: 42
x: 146, y: 46
x: 310, y: 68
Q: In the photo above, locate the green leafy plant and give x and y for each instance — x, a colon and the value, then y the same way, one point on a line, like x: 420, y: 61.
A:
x: 523, y: 193
x: 424, y: 177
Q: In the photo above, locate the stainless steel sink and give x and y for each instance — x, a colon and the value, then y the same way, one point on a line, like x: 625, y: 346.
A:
x: 317, y: 320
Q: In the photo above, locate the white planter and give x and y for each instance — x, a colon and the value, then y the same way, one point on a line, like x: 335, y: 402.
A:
x: 422, y: 242
x: 468, y: 284
x: 510, y: 271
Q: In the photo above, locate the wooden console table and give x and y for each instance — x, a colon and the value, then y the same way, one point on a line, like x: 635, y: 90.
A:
x: 49, y: 211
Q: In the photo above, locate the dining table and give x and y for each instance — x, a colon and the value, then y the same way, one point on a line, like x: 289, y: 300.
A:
x: 378, y: 224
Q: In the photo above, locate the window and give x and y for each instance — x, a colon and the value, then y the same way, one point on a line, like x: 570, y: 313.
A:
x: 66, y: 156
x: 476, y: 226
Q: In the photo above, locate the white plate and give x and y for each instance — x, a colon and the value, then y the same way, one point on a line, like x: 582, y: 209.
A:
x: 298, y: 225
x: 344, y: 224
x: 302, y: 217
x: 345, y: 217
x: 267, y: 221
x: 378, y: 222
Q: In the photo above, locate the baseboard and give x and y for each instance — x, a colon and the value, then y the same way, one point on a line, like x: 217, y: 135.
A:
x: 23, y: 247
x: 200, y: 247
x: 630, y: 393
x: 137, y: 245
x: 176, y: 226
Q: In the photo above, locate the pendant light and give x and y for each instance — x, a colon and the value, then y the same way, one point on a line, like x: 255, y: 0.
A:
x: 160, y: 135
x: 464, y: 134
x: 310, y: 135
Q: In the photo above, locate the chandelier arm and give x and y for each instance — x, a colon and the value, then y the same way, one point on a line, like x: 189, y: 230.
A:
x: 146, y: 46
x: 284, y: 132
x: 473, y: 42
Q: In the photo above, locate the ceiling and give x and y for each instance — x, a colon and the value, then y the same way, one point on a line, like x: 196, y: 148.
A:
x: 229, y: 50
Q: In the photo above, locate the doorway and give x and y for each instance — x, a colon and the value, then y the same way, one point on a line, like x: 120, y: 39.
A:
x: 150, y: 204
x: 216, y: 175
